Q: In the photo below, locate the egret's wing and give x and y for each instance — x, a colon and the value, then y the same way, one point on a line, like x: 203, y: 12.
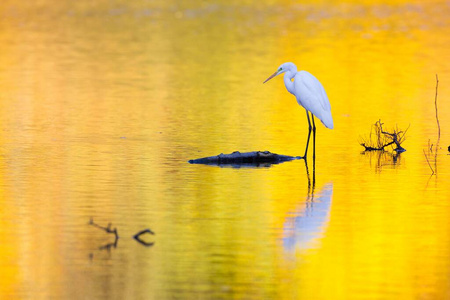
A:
x: 311, y: 95
x: 311, y: 87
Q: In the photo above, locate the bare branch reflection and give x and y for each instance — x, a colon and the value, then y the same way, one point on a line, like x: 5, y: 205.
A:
x: 382, y: 159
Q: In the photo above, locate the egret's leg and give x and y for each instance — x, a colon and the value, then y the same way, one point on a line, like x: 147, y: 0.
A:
x: 314, y: 125
x: 309, y: 121
x: 314, y: 137
x: 309, y: 133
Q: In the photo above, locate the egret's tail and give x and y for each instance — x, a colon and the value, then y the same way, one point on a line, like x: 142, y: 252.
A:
x: 327, y: 120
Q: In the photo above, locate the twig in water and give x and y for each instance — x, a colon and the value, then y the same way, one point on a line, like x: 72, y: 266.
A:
x: 137, y: 237
x: 436, y: 108
x: 384, y: 138
x: 439, y: 126
x: 107, y: 230
x: 436, y: 147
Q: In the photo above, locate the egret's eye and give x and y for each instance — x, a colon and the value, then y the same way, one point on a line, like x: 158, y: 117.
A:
x: 279, y: 69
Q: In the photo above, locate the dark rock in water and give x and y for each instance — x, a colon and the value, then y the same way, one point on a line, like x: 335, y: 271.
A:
x: 237, y: 159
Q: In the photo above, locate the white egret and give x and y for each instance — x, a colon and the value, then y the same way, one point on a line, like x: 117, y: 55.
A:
x: 309, y: 93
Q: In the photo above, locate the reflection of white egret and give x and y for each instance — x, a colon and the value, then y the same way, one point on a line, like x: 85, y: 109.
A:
x: 303, y: 228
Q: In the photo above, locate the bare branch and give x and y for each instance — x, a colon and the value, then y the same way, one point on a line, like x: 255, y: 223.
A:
x: 436, y: 147
x: 436, y: 108
x: 384, y: 138
x: 107, y: 230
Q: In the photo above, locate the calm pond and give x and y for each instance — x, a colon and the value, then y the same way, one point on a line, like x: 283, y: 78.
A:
x: 103, y: 103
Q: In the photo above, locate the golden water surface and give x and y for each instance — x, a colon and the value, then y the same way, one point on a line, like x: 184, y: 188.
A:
x: 103, y: 103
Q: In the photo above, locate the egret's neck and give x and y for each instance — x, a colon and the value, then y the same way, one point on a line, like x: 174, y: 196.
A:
x: 288, y: 81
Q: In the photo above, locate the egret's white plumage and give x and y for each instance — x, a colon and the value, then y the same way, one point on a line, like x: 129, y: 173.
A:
x: 308, y: 91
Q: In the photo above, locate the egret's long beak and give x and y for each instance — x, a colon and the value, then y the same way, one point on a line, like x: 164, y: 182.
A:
x: 271, y: 76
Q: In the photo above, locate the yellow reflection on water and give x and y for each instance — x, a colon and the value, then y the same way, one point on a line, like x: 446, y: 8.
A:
x: 104, y: 103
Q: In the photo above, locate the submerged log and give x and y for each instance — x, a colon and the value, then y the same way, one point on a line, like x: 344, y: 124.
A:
x: 255, y: 158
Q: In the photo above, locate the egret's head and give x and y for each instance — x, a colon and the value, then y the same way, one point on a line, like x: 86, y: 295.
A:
x: 283, y: 68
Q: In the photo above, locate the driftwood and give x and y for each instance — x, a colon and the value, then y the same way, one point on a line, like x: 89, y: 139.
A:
x: 138, y: 238
x: 255, y: 158
x: 381, y: 139
x: 114, y: 231
x: 107, y: 230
